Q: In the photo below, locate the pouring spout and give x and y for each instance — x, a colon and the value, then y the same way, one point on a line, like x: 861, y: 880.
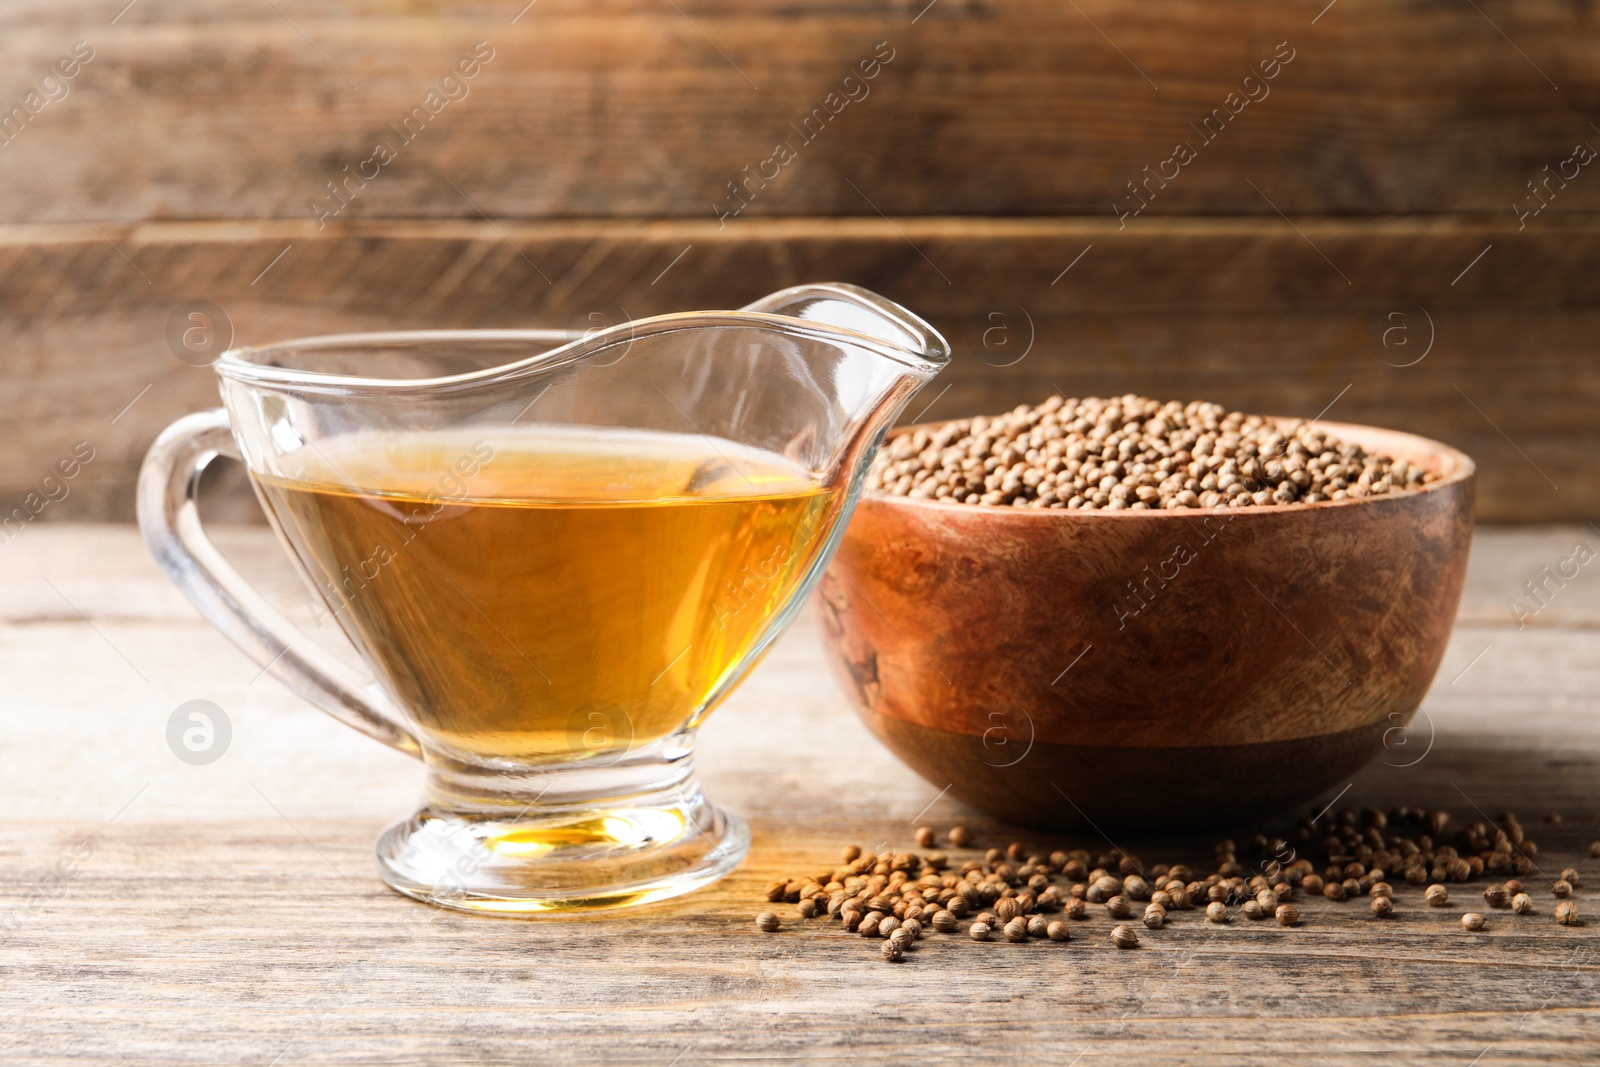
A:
x: 920, y: 347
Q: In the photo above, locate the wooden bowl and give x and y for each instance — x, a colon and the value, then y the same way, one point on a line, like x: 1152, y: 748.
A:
x: 1149, y: 670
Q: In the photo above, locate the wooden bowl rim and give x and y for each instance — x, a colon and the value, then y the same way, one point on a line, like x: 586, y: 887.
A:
x: 1455, y: 465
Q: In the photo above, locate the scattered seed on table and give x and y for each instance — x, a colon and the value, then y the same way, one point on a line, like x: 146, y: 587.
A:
x: 1594, y: 850
x: 1217, y: 911
x: 892, y: 951
x: 1522, y: 903
x: 1312, y: 884
x: 1380, y: 889
x: 1496, y: 896
x: 768, y: 922
x: 1154, y: 916
x: 1119, y: 907
x: 1567, y: 913
x: 851, y: 853
x: 1016, y: 930
x: 1075, y: 908
x: 1472, y: 921
x: 1570, y: 876
x: 1038, y: 926
x: 924, y: 836
x: 1382, y: 907
x: 913, y: 927
x: 945, y: 921
x: 959, y: 836
x: 1287, y: 915
x: 1562, y: 889
x: 869, y: 925
x: 979, y: 931
x: 1334, y: 891
x: 1057, y: 931
x: 1124, y: 937
x: 1436, y: 895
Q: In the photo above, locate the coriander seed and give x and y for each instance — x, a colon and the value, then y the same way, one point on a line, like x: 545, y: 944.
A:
x: 1124, y: 937
x: 1382, y: 907
x: 945, y: 921
x: 1172, y: 455
x: 1038, y: 926
x: 1496, y: 896
x: 1334, y: 891
x: 1594, y: 850
x: 1562, y: 888
x: 912, y: 927
x: 1436, y: 895
x: 1075, y: 908
x: 1472, y: 921
x: 892, y: 951
x: 1057, y: 931
x: 924, y: 836
x: 1522, y: 903
x: 1217, y: 911
x: 1287, y: 915
x: 1252, y: 909
x: 1570, y: 876
x: 1016, y: 931
x: 959, y: 836
x: 1155, y: 916
x: 869, y: 925
x: 1567, y: 913
x: 851, y: 853
x: 768, y: 922
x: 979, y: 931
x: 1119, y: 907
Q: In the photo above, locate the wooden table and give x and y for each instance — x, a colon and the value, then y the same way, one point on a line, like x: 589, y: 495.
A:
x: 229, y: 913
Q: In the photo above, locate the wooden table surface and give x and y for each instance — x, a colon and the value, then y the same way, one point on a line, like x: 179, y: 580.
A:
x: 229, y: 913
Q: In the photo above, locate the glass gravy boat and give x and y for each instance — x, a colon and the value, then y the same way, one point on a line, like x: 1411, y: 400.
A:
x: 555, y: 553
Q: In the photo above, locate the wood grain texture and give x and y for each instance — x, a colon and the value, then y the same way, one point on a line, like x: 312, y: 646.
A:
x: 1284, y: 643
x: 634, y: 108
x: 1243, y: 312
x: 229, y: 913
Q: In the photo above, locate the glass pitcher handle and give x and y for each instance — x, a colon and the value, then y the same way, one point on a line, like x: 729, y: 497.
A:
x: 169, y: 483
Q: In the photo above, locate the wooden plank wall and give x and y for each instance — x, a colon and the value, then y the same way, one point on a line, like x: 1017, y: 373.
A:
x: 1356, y: 230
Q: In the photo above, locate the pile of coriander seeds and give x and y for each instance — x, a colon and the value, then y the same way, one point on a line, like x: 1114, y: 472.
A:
x: 1018, y: 894
x: 1133, y: 452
